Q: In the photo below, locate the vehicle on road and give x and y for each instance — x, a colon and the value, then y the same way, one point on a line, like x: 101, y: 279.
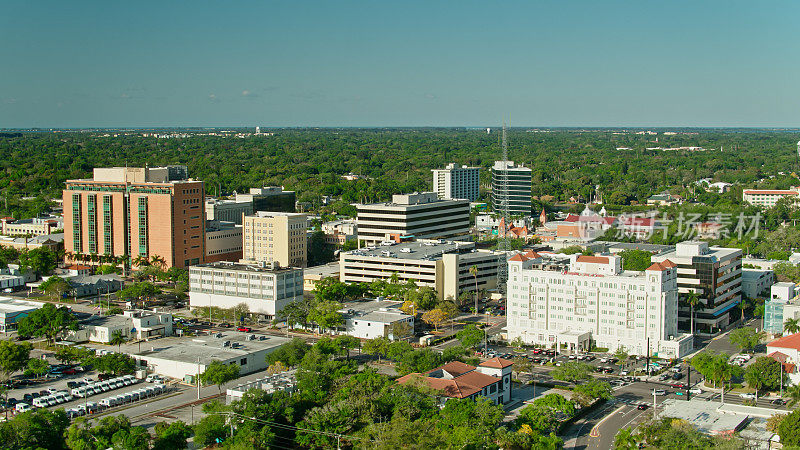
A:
x: 643, y: 406
x: 747, y: 396
x: 779, y: 402
x: 244, y: 329
x: 695, y: 391
x: 660, y: 392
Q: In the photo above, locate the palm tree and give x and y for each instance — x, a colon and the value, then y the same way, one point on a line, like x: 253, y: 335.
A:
x: 140, y: 261
x: 474, y: 272
x: 117, y: 339
x: 742, y: 306
x: 693, y: 299
x: 791, y: 326
x: 793, y: 393
x: 158, y: 261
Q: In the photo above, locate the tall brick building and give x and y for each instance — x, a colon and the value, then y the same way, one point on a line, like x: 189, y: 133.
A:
x: 135, y: 212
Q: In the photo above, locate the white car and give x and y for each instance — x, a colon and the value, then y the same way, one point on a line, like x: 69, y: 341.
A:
x: 23, y: 407
x: 695, y: 391
x: 660, y: 392
x: 747, y: 396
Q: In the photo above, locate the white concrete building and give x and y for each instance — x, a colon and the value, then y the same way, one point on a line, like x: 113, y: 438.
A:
x: 756, y: 282
x: 454, y: 182
x: 372, y: 319
x: 223, y: 241
x: 441, y: 265
x: 264, y: 288
x: 37, y: 226
x: 575, y: 300
x: 132, y: 324
x: 337, y: 232
x: 768, y: 197
x: 713, y: 272
x: 227, y: 210
x: 490, y: 379
x: 511, y: 185
x: 419, y: 215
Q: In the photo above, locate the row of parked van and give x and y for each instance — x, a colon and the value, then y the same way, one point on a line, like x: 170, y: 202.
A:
x: 99, y: 387
x: 116, y: 400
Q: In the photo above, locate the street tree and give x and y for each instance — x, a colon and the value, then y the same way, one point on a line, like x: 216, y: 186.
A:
x: 37, y: 367
x: 572, y: 371
x: 117, y: 339
x: 326, y: 314
x: 763, y: 373
x: 290, y: 353
x: 693, y: 299
x: 789, y: 429
x: 434, y: 317
x: 49, y: 321
x: 746, y: 339
x: 219, y: 373
x: 13, y: 357
x: 377, y: 346
x: 55, y: 287
x: 346, y: 342
x: 470, y: 335
x: 791, y: 325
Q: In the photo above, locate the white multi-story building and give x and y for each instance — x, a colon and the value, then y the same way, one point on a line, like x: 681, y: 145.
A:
x: 275, y: 236
x: 38, y: 226
x: 443, y: 266
x: 768, y: 197
x: 265, y: 288
x: 573, y: 301
x: 715, y: 273
x: 420, y: 215
x: 337, y: 232
x: 456, y: 182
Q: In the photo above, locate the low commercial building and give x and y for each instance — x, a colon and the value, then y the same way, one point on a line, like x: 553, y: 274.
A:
x: 265, y: 288
x: 490, y: 379
x: 9, y: 282
x: 715, y: 273
x: 223, y: 241
x: 269, y: 198
x: 441, y: 265
x: 311, y: 275
x: 749, y: 423
x: 768, y: 197
x: 338, y: 232
x: 576, y: 300
x: 376, y: 318
x: 756, y: 282
x: 133, y: 324
x: 787, y: 350
x: 421, y: 215
x: 88, y: 285
x: 284, y: 381
x: 13, y: 310
x: 54, y: 242
x: 37, y: 226
x: 186, y: 357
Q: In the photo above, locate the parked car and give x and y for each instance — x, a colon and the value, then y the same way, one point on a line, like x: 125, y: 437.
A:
x: 779, y: 402
x: 695, y: 391
x: 660, y: 392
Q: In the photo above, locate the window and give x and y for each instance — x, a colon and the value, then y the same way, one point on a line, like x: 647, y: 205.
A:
x: 243, y: 361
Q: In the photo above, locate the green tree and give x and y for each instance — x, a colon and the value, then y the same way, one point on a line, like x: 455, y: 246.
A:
x: 400, y: 330
x: 693, y: 299
x: 344, y: 343
x: 625, y: 440
x: 171, y: 436
x: 116, y: 363
x: 572, y: 371
x: 377, y: 346
x: 13, y: 357
x: 789, y: 429
x: 746, y: 339
x: 763, y: 373
x: 219, y: 373
x: 791, y: 326
x: 37, y: 367
x: 117, y: 339
x: 37, y: 429
x: 290, y: 353
x: 635, y: 259
x: 41, y: 260
x: 55, y: 287
x: 470, y: 335
x: 48, y: 321
x: 326, y: 314
x: 212, y: 427
x: 793, y: 393
x: 586, y: 393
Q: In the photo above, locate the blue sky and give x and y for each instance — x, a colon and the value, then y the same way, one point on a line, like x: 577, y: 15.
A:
x: 409, y: 63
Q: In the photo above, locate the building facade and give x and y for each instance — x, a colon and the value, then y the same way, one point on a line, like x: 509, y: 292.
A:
x: 443, y: 266
x: 756, y: 282
x: 715, y: 274
x: 227, y: 210
x: 374, y: 319
x: 511, y: 186
x: 768, y: 197
x: 419, y: 215
x: 265, y: 289
x: 269, y: 198
x: 574, y: 301
x: 223, y: 241
x: 37, y: 226
x: 136, y: 212
x: 455, y: 182
x: 490, y: 379
x: 783, y: 304
x: 276, y: 236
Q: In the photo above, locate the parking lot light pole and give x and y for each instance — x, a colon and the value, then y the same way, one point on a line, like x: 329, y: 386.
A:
x: 198, y: 378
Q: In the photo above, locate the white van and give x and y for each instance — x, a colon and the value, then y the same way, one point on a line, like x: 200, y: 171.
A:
x: 40, y: 402
x: 23, y: 407
x: 107, y: 402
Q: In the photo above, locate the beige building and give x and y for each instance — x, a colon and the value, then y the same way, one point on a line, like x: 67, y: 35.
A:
x: 223, y: 241
x: 136, y: 212
x: 443, y: 266
x: 38, y: 226
x: 768, y: 197
x: 276, y: 236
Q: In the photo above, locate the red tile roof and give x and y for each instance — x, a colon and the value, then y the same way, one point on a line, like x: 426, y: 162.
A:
x: 668, y: 263
x: 496, y: 363
x: 637, y: 221
x: 598, y: 219
x: 454, y: 368
x: 657, y: 267
x: 532, y: 254
x: 518, y: 257
x: 461, y: 386
x: 593, y: 259
x: 791, y: 341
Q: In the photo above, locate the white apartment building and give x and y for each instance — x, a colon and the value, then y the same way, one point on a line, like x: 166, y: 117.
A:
x: 575, y: 300
x: 715, y: 273
x: 275, y: 236
x: 420, y: 215
x: 443, y: 266
x: 373, y: 319
x: 454, y: 182
x: 756, y: 282
x: 265, y: 289
x: 768, y: 197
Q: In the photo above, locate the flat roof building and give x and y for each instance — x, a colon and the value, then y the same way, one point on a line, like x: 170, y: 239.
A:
x: 511, y: 186
x: 768, y: 197
x: 227, y: 210
x: 577, y: 300
x: 136, y: 212
x: 715, y: 273
x: 276, y: 237
x: 13, y: 310
x: 454, y: 182
x: 223, y: 241
x: 131, y: 324
x: 441, y: 265
x: 265, y: 288
x: 419, y: 215
x: 36, y: 226
x: 376, y: 318
x: 269, y: 198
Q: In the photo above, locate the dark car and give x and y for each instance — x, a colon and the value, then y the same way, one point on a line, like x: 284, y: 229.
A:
x: 44, y: 393
x: 677, y: 376
x: 72, y: 384
x: 779, y: 402
x: 244, y: 329
x: 27, y: 398
x: 643, y: 406
x: 105, y: 376
x: 11, y: 401
x: 224, y: 325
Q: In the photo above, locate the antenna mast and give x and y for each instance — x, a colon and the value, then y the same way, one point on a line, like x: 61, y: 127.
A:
x: 502, y: 242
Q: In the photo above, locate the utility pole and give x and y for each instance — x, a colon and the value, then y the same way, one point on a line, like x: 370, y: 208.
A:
x: 198, y: 378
